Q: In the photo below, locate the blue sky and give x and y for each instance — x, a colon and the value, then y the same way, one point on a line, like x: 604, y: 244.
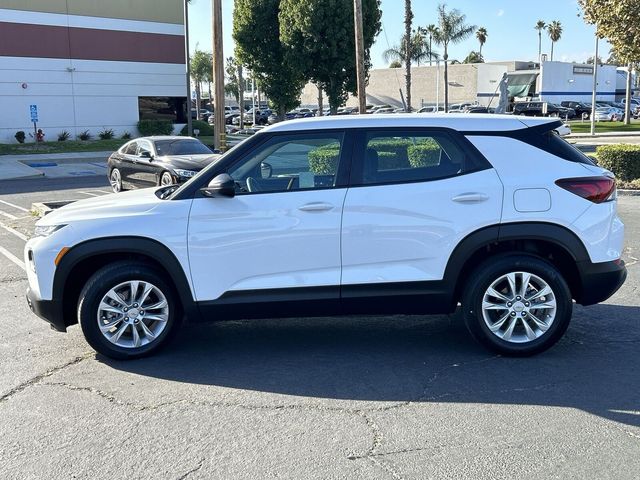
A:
x: 509, y: 24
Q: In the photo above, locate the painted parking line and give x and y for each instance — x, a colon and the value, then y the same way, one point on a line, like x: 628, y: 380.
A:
x: 12, y: 258
x: 8, y: 215
x: 106, y: 192
x: 13, y: 231
x: 13, y: 205
x: 91, y: 194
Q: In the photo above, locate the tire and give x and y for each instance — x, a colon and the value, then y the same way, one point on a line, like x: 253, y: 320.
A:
x: 95, y: 309
x: 546, y: 325
x: 166, y: 179
x: 115, y: 179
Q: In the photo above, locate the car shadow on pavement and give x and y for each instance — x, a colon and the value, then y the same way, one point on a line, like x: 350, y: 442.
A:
x: 595, y: 367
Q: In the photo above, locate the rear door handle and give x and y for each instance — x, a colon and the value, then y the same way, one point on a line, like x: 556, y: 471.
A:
x: 471, y: 197
x: 316, y: 207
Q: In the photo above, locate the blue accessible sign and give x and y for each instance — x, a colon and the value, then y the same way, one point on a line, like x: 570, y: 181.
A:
x: 34, y: 113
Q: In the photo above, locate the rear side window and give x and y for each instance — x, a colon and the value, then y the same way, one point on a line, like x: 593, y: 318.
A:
x: 409, y: 157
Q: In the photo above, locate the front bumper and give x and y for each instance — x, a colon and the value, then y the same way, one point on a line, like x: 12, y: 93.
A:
x: 48, y: 310
x: 600, y: 281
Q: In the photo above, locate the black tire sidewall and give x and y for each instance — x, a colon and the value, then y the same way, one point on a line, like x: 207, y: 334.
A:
x: 492, y: 269
x: 101, y: 282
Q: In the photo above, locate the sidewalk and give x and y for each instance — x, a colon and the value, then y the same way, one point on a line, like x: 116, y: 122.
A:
x: 604, y: 135
x: 52, y: 164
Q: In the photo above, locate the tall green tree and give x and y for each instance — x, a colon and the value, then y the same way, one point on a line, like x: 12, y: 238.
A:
x: 256, y: 32
x: 201, y: 71
x: 320, y: 40
x: 540, y: 25
x: 452, y: 29
x: 617, y: 21
x: 232, y: 85
x: 554, y: 29
x: 481, y: 36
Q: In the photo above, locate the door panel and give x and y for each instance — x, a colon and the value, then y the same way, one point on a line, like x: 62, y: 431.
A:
x: 282, y: 229
x: 416, y: 194
x: 265, y: 241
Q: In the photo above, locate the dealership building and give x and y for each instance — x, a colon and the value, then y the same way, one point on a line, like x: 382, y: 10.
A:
x: 547, y: 81
x: 90, y: 65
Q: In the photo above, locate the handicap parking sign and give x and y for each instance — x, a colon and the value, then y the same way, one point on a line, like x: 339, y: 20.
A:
x: 34, y: 113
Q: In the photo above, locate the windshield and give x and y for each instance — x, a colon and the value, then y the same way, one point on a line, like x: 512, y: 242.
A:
x: 181, y: 147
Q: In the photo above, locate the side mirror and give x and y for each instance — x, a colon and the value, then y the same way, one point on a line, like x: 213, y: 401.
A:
x: 145, y: 154
x: 221, y: 186
x: 266, y: 170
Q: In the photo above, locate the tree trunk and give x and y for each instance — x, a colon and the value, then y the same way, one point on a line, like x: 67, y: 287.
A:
x: 198, y: 100
x: 627, y: 105
x: 539, y: 44
x: 210, y: 96
x: 320, y: 101
x: 552, y: 42
x: 446, y: 80
x: 430, y: 52
x: 241, y: 96
x: 480, y: 52
x: 408, y: 18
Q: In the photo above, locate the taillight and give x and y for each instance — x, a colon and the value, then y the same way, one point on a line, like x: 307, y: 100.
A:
x: 594, y: 189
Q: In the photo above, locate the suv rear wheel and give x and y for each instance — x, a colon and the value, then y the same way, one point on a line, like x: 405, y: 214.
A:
x: 127, y: 310
x: 517, y: 305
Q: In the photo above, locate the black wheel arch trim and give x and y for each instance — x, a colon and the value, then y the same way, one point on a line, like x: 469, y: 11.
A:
x: 542, y: 231
x: 153, y: 249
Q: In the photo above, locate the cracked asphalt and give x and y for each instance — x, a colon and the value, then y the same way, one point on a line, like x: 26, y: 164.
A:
x: 340, y: 398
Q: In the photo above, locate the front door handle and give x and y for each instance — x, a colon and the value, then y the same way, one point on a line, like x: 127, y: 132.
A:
x: 316, y: 207
x: 471, y: 197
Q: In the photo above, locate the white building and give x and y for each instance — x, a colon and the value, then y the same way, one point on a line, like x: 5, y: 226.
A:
x: 90, y: 64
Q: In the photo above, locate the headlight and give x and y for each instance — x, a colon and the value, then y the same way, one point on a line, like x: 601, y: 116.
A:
x: 46, y: 230
x: 186, y: 173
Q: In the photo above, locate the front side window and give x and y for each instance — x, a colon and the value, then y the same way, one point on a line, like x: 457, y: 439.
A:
x: 286, y: 163
x: 410, y: 158
x: 131, y: 148
x: 144, y: 147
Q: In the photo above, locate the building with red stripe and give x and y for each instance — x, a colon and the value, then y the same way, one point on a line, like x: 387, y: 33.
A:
x: 90, y: 65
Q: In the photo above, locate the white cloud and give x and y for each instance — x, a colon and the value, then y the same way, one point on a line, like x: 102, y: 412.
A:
x: 500, y: 12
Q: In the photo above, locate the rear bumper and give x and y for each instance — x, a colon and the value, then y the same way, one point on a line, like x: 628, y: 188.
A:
x: 48, y: 310
x: 600, y: 281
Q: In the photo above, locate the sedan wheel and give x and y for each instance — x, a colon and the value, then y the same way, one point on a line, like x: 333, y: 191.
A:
x: 166, y: 179
x: 116, y: 180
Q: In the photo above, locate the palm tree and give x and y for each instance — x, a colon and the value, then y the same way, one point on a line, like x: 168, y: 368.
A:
x: 540, y: 25
x: 481, y: 35
x: 555, y: 32
x: 408, y: 20
x: 418, y: 51
x: 430, y: 31
x: 474, y: 57
x: 452, y: 29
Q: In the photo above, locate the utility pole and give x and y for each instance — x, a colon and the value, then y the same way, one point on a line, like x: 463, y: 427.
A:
x: 627, y: 96
x: 219, y: 133
x: 595, y: 87
x: 241, y: 88
x: 188, y: 65
x: 362, y: 96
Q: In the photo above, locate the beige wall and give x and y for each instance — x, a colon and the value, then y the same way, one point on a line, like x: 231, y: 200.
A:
x: 165, y: 11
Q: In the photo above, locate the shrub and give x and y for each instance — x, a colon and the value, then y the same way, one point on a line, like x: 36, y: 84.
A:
x: 206, y: 130
x: 84, y: 136
x: 126, y: 136
x: 155, y: 127
x: 63, y: 136
x: 397, y: 147
x: 106, y: 134
x: 20, y: 136
x: 424, y: 154
x: 324, y: 160
x: 622, y: 160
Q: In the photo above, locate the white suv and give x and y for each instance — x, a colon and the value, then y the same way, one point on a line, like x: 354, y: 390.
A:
x: 402, y: 214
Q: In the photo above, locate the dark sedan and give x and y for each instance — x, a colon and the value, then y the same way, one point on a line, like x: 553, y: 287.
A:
x: 150, y: 161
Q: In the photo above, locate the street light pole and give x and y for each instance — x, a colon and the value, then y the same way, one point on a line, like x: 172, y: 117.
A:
x: 188, y: 66
x: 219, y: 133
x: 362, y: 96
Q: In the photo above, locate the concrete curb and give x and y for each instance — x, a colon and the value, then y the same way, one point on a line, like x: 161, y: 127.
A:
x: 628, y: 193
x: 604, y: 135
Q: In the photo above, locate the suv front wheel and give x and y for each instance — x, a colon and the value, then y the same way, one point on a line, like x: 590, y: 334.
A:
x: 517, y: 305
x: 127, y: 310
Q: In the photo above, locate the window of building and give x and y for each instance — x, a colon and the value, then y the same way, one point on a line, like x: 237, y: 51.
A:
x: 173, y: 109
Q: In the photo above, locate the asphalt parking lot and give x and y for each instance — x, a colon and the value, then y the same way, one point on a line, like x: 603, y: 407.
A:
x: 341, y: 398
